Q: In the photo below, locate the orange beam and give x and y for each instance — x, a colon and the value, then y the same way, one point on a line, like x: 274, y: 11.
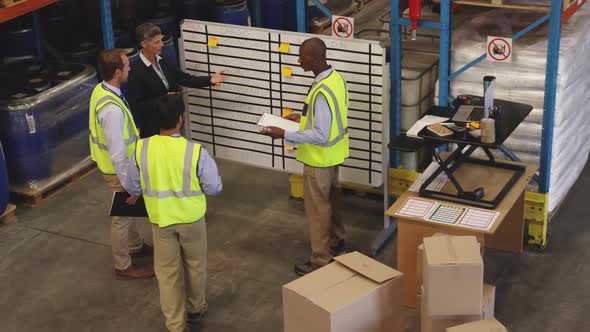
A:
x: 569, y: 11
x: 25, y: 7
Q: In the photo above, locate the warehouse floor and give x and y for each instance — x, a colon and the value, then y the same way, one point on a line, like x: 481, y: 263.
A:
x: 56, y: 271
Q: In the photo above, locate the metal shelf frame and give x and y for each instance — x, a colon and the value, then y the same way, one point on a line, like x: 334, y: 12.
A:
x: 23, y: 8
x: 554, y: 18
x: 107, y: 20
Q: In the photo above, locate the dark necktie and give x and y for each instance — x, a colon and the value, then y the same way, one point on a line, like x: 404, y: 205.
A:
x: 125, y: 101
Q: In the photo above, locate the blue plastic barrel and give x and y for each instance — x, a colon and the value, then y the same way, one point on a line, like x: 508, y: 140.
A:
x: 4, y: 189
x: 84, y: 52
x: 278, y: 14
x: 231, y: 12
x: 166, y: 23
x: 169, y: 50
x: 133, y: 55
x: 28, y: 138
x: 192, y: 9
x: 19, y: 42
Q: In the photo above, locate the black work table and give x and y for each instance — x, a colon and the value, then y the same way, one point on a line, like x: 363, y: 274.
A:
x: 509, y: 116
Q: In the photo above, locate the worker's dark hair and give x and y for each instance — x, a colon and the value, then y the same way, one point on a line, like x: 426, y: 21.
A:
x: 147, y: 31
x: 170, y: 108
x: 315, y: 47
x: 109, y: 61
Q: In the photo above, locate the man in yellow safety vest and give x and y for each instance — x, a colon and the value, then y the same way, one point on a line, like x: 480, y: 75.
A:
x: 322, y: 145
x: 112, y: 142
x: 174, y: 175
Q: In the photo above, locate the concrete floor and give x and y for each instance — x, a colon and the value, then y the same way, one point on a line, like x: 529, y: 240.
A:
x: 56, y: 270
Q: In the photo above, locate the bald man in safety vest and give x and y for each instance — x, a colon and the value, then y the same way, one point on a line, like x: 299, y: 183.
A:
x: 322, y: 145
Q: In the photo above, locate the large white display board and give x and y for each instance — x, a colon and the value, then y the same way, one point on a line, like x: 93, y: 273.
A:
x: 264, y: 77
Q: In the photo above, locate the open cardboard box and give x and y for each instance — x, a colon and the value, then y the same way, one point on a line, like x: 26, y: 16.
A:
x: 355, y: 293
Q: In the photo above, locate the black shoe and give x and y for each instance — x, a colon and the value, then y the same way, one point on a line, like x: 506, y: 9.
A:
x: 195, y: 317
x: 305, y: 268
x: 339, y: 249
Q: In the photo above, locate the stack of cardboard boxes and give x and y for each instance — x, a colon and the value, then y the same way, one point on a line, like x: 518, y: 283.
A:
x: 450, y: 284
x: 357, y: 293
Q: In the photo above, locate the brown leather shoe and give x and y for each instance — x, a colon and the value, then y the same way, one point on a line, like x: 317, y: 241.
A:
x: 145, y: 251
x: 305, y: 268
x: 135, y: 272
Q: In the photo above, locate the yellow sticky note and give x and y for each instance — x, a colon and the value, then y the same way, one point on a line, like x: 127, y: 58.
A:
x: 284, y: 48
x: 289, y: 148
x: 287, y: 71
x: 212, y: 42
x: 287, y: 112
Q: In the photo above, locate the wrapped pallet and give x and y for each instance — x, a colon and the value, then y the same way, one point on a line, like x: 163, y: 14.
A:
x: 44, y: 120
x: 523, y: 80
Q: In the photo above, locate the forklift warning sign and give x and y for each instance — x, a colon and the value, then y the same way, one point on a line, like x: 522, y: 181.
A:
x: 342, y: 27
x: 499, y: 49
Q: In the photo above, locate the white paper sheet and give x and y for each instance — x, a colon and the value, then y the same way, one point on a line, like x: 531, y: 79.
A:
x: 268, y: 120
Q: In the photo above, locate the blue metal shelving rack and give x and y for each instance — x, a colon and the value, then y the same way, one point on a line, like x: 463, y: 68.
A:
x: 445, y: 77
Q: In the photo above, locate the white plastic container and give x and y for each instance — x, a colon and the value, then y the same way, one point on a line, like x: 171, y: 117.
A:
x: 419, y: 75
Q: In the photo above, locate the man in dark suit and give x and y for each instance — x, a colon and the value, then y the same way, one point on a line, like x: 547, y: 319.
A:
x: 153, y: 76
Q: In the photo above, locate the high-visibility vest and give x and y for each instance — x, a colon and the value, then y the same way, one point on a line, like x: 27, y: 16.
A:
x: 169, y: 182
x: 101, y: 96
x: 336, y: 150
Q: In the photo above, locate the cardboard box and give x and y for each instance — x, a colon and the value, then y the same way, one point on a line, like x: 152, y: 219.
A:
x: 430, y: 323
x: 355, y: 293
x: 453, y: 270
x: 488, y: 325
x: 420, y: 264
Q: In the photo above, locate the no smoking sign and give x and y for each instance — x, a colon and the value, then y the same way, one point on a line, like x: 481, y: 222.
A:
x: 499, y: 49
x: 342, y: 27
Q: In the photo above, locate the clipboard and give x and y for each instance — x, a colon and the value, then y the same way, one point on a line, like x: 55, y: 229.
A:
x: 120, y: 208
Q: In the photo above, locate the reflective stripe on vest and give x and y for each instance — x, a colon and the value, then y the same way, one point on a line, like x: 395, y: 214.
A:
x: 130, y: 140
x: 186, y: 175
x: 341, y: 130
x: 336, y: 149
x: 101, y: 97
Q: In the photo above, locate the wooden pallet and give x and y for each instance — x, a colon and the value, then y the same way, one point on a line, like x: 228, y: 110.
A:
x: 9, y: 215
x: 9, y: 3
x: 34, y: 197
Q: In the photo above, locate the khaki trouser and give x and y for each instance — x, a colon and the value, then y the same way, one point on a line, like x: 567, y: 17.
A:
x: 125, y: 237
x: 180, y: 262
x: 321, y: 193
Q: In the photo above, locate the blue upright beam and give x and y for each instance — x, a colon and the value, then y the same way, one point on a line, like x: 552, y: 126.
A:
x: 445, y: 52
x: 107, y: 24
x: 322, y: 8
x: 37, y: 30
x: 550, y: 92
x: 395, y: 72
x: 257, y: 13
x: 301, y: 17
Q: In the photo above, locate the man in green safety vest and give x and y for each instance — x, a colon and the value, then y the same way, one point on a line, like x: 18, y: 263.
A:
x: 322, y: 145
x: 112, y: 142
x: 174, y: 175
